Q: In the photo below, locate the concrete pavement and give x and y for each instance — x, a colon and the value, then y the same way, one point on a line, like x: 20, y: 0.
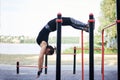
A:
x: 8, y: 72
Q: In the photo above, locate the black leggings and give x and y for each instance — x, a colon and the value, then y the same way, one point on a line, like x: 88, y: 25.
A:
x: 67, y: 21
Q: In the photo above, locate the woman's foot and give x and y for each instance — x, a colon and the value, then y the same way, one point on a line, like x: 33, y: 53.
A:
x: 87, y: 28
x: 39, y: 73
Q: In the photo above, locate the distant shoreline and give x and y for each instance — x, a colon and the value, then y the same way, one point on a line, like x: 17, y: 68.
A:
x: 6, y: 48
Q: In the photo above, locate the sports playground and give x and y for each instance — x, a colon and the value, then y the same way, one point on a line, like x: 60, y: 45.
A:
x: 91, y: 71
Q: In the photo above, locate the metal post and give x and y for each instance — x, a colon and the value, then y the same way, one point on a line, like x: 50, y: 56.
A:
x: 74, y: 61
x: 17, y: 67
x: 118, y: 35
x: 58, y: 51
x: 91, y: 46
x: 46, y: 64
x: 82, y: 55
x: 102, y: 71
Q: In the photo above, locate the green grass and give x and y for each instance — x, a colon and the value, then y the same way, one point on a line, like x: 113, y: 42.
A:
x: 107, y: 51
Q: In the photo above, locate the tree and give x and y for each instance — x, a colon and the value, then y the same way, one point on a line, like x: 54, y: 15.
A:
x: 108, y: 16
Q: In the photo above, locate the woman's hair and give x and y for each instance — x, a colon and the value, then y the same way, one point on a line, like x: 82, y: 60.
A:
x: 51, y: 50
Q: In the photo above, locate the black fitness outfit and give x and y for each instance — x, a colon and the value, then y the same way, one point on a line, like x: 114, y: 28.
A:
x: 51, y: 26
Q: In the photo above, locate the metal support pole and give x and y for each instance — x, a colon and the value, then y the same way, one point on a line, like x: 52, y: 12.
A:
x: 102, y: 67
x: 17, y: 67
x: 58, y: 51
x: 46, y: 64
x: 82, y: 51
x: 74, y: 61
x: 118, y: 35
x: 91, y: 46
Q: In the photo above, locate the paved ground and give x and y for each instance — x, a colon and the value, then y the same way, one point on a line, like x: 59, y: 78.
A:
x: 8, y: 72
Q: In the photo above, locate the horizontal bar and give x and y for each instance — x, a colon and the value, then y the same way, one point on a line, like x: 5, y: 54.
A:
x: 32, y: 66
x: 109, y: 26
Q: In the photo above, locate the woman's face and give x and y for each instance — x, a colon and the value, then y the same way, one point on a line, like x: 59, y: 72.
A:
x: 47, y: 51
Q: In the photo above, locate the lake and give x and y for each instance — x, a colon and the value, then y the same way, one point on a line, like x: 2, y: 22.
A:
x: 27, y: 48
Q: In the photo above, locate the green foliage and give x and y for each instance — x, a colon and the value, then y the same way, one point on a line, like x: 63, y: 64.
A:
x: 27, y: 39
x: 96, y: 51
x: 107, y: 17
x: 65, y: 40
x: 16, y: 39
x: 108, y: 10
x: 108, y: 13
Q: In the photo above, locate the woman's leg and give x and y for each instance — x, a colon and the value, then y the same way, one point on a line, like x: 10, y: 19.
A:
x: 74, y: 23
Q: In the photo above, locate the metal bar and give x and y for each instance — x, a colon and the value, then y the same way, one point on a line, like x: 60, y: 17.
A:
x: 82, y: 47
x: 74, y: 61
x: 58, y: 58
x: 17, y: 67
x: 118, y: 35
x: 91, y: 46
x: 102, y: 67
x: 46, y: 63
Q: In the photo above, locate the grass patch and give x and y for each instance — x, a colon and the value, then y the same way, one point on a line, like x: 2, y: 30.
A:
x: 96, y: 51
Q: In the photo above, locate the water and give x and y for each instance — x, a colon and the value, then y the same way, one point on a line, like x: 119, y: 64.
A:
x: 26, y: 48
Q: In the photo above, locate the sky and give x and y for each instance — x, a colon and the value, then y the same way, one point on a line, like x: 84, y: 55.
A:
x: 28, y: 17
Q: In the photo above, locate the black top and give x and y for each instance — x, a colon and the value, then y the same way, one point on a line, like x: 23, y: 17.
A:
x: 43, y: 36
